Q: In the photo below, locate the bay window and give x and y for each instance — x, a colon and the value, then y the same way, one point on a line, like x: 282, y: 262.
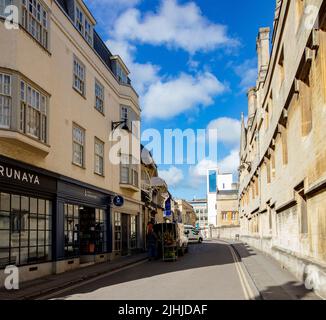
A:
x: 33, y: 112
x: 131, y: 119
x: 5, y: 100
x: 128, y: 171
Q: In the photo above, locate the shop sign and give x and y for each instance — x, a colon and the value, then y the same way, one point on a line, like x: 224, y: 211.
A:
x: 118, y: 201
x: 167, y: 211
x: 90, y: 194
x: 18, y: 176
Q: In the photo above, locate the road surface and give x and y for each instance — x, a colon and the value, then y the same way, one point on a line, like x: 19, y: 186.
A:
x: 210, y: 271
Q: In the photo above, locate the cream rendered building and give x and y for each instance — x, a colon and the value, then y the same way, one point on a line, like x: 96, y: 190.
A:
x: 283, y: 150
x: 62, y: 95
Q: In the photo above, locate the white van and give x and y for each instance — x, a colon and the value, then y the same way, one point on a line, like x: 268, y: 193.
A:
x: 194, y: 235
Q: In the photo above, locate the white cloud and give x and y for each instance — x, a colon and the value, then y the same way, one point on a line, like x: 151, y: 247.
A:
x: 199, y: 171
x: 174, y: 25
x: 173, y: 176
x: 163, y: 99
x: 247, y: 72
x: 228, y: 130
x: 107, y: 11
x: 167, y: 99
x: 229, y: 164
x: 142, y: 75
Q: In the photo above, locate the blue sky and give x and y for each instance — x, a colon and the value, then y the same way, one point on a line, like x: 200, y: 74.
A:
x: 191, y: 63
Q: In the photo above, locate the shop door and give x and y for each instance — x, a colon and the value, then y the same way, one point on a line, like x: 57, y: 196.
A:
x: 125, y: 234
x: 87, y: 231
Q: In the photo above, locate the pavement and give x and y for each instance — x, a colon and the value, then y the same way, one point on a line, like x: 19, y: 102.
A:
x: 213, y: 270
x: 53, y: 283
x: 271, y: 280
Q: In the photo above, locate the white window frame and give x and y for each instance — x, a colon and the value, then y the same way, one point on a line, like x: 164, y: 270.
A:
x: 33, y: 112
x: 79, y: 76
x: 5, y: 100
x: 121, y: 74
x: 129, y: 167
x: 79, y: 19
x: 99, y: 157
x: 99, y: 96
x: 35, y: 19
x: 88, y: 31
x: 128, y: 114
x: 79, y: 143
x: 83, y: 25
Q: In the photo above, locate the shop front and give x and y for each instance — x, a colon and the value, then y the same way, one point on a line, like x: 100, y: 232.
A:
x: 83, y: 225
x: 127, y: 229
x: 49, y: 223
x: 27, y: 198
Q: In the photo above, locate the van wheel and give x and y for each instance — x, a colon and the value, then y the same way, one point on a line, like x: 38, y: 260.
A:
x: 200, y: 240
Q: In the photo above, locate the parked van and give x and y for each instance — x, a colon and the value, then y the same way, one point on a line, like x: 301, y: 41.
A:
x: 194, y: 235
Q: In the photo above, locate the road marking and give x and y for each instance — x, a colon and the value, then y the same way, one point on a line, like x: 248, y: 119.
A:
x: 249, y: 295
x: 83, y: 283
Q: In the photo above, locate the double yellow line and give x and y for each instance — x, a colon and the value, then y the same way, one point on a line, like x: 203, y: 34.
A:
x: 249, y: 295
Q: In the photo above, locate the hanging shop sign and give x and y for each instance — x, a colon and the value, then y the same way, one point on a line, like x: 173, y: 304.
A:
x: 118, y: 201
x: 167, y: 211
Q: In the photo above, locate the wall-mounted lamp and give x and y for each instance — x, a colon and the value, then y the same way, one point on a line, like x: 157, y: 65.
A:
x: 116, y: 125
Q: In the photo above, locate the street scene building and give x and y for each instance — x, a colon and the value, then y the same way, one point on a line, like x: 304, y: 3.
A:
x: 57, y: 185
x: 186, y: 212
x: 107, y: 127
x: 283, y: 164
x: 200, y: 207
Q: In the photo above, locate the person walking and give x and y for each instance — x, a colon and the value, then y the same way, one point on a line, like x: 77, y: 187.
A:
x: 152, y: 243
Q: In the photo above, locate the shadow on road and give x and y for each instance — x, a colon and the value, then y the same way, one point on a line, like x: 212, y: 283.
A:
x: 207, y: 254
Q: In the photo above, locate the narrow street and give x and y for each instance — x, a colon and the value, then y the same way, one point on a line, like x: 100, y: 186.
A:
x: 210, y: 271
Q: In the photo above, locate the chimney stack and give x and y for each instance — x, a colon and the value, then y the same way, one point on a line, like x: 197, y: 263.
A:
x: 263, y: 53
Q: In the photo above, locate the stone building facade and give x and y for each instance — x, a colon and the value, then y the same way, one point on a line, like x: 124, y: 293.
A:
x: 154, y: 190
x: 227, y: 208
x: 283, y: 151
x: 187, y: 212
x: 62, y: 96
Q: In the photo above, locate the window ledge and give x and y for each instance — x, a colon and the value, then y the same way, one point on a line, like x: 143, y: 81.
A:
x: 25, y: 141
x: 129, y: 187
x: 80, y: 93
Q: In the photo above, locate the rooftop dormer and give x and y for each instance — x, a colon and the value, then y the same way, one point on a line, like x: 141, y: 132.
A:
x: 120, y: 70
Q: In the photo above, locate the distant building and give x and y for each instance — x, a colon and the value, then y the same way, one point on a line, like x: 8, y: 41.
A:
x: 187, y: 212
x: 211, y: 195
x: 216, y: 182
x: 227, y: 208
x: 201, y: 211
